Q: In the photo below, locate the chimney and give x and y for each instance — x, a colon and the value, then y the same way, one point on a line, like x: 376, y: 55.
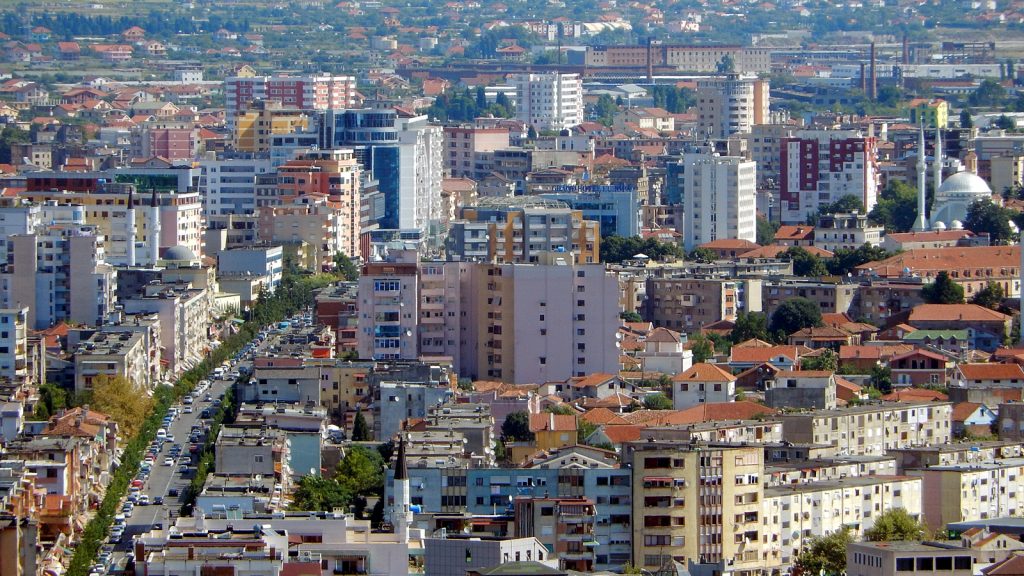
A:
x: 863, y: 78
x: 906, y: 49
x: 874, y: 77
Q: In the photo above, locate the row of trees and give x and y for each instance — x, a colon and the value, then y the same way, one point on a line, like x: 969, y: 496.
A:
x: 615, y: 249
x: 466, y: 105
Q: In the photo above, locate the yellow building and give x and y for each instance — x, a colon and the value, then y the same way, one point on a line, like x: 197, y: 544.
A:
x: 255, y: 126
x: 551, y: 431
x: 932, y: 113
x: 697, y: 502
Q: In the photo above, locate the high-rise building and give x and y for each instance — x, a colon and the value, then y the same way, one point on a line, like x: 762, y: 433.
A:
x: 519, y: 229
x: 60, y: 275
x: 228, y: 186
x: 818, y: 167
x: 254, y: 127
x: 549, y: 101
x: 731, y: 105
x: 388, y: 309
x: 463, y: 143
x: 316, y: 92
x: 14, y: 344
x: 719, y: 197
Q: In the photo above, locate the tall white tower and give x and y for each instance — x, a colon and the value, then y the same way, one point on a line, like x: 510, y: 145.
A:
x: 154, y: 229
x: 129, y: 228
x: 401, y: 510
x: 921, y: 223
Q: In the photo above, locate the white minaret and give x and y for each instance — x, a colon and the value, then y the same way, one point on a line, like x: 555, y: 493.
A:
x: 937, y: 163
x: 401, y: 509
x: 921, y: 223
x: 129, y: 228
x: 154, y: 229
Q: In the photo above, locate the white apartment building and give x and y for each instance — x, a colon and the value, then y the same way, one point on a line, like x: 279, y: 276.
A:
x: 847, y: 230
x: 719, y: 198
x: 731, y: 105
x: 549, y: 101
x: 974, y: 491
x: 229, y: 186
x: 388, y: 309
x: 112, y: 354
x: 872, y: 429
x: 818, y: 167
x: 17, y: 216
x: 184, y: 315
x: 14, y: 344
x: 793, y: 514
x: 313, y: 92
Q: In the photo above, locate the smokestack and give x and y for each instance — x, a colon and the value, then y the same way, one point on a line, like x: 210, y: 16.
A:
x: 874, y: 78
x: 906, y: 49
x: 650, y: 60
x: 863, y: 78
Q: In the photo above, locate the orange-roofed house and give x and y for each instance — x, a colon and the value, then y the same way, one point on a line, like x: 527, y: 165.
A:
x: 729, y: 248
x: 664, y: 351
x: 553, y: 430
x: 810, y: 389
x: 702, y: 383
x: 986, y: 375
x: 784, y: 357
x: 915, y: 395
x: 794, y: 235
x: 603, y: 416
x: 847, y: 391
x: 722, y: 411
x: 969, y: 266
x: 866, y: 357
x: 972, y: 419
x: 827, y: 337
x: 614, y: 435
x: 986, y: 327
x: 921, y: 367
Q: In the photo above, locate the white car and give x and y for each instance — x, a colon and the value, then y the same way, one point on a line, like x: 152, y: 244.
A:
x: 168, y: 461
x: 188, y: 410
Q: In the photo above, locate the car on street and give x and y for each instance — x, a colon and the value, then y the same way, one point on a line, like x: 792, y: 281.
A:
x: 144, y: 500
x: 159, y: 500
x: 188, y: 409
x: 183, y: 469
x: 168, y: 461
x: 173, y: 493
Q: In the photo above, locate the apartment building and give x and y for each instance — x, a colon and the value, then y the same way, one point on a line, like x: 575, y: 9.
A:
x: 681, y: 57
x: 112, y: 355
x: 796, y: 513
x: 971, y: 491
x: 697, y: 502
x: 59, y: 275
x: 832, y: 296
x: 14, y: 359
x: 731, y: 105
x: 463, y: 143
x: 846, y: 231
x: 518, y: 229
x: 616, y: 208
x: 228, y: 186
x: 688, y: 304
x: 255, y: 126
x: 549, y: 101
x: 564, y: 525
x: 316, y: 92
x: 388, y: 309
x: 872, y: 428
x: 184, y: 314
x: 320, y: 226
x: 878, y: 299
x: 972, y: 267
x: 810, y: 389
x: 719, y: 198
x: 818, y: 167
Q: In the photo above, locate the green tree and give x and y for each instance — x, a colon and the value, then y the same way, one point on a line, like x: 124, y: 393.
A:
x: 722, y: 344
x: 583, y: 430
x: 360, y: 429
x: 319, y: 493
x: 702, y: 347
x: 531, y: 133
x: 615, y: 249
x: 985, y: 216
x: 795, y: 314
x: 605, y: 110
x: 827, y: 360
x: 657, y: 402
x: 361, y: 472
x: 895, y: 524
x: 348, y: 270
x: 1005, y: 122
x: 825, y: 555
x: 726, y: 65
x: 943, y: 291
x: 630, y: 317
x: 896, y: 208
x: 8, y: 136
x: 516, y: 427
x: 749, y: 325
x: 847, y: 203
x: 844, y: 260
x: 766, y: 231
x: 991, y: 296
x: 701, y: 255
x: 881, y: 378
x: 805, y: 263
x: 988, y: 93
x: 965, y: 118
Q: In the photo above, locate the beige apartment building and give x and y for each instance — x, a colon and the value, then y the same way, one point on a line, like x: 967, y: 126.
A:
x: 688, y: 304
x: 976, y: 491
x: 872, y: 429
x: 112, y: 354
x: 697, y: 502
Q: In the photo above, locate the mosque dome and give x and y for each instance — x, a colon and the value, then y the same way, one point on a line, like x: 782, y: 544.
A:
x: 179, y: 253
x: 964, y: 184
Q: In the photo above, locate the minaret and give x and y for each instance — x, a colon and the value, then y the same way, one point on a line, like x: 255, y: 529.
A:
x: 401, y: 511
x: 921, y: 223
x: 129, y: 228
x: 154, y: 229
x: 937, y: 163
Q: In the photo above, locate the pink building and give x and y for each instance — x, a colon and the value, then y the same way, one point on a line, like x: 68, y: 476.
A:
x: 319, y: 92
x: 818, y: 167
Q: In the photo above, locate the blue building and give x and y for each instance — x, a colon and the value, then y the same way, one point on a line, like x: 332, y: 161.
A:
x: 617, y: 208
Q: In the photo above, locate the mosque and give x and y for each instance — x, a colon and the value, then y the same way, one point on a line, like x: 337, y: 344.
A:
x: 953, y: 196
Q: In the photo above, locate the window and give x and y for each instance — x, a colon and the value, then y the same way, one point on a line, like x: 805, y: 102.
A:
x: 904, y: 564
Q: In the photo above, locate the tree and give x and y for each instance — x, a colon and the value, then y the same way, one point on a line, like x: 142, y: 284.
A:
x: 795, y: 314
x: 615, y: 249
x: 844, y: 260
x: 516, y: 427
x: 701, y: 255
x: 985, y: 216
x: 825, y: 554
x: 8, y: 136
x: 722, y: 344
x: 896, y: 208
x: 749, y: 325
x: 657, y: 402
x: 895, y: 524
x: 726, y: 65
x: 605, y: 110
x: 881, y: 378
x: 319, y: 493
x: 988, y: 93
x: 943, y: 291
x: 119, y: 398
x: 991, y: 296
x: 52, y: 399
x: 531, y: 133
x: 630, y: 317
x: 965, y: 118
x: 348, y: 270
x: 847, y: 203
x: 702, y: 347
x: 1005, y: 122
x: 805, y: 263
x: 360, y: 429
x: 766, y: 231
x: 361, y: 472
x: 826, y: 361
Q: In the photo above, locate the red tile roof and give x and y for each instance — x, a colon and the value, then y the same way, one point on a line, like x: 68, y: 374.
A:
x: 702, y: 372
x: 548, y: 422
x: 915, y: 395
x: 992, y: 371
x: 963, y: 410
x: 967, y: 312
